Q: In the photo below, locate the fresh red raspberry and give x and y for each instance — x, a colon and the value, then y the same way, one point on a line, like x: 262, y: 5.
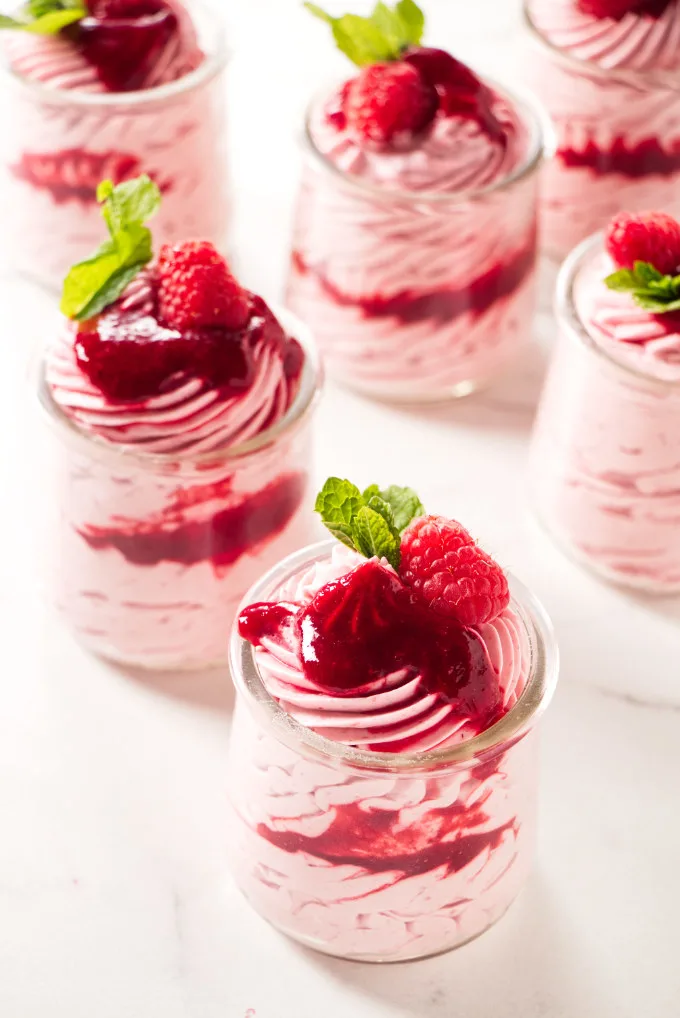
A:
x: 442, y: 564
x: 196, y: 288
x: 652, y: 237
x: 116, y: 10
x: 388, y: 100
x: 617, y: 9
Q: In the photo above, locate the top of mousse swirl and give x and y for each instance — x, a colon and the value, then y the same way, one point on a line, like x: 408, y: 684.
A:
x: 414, y: 118
x: 102, y: 45
x: 632, y: 35
x: 170, y: 354
x: 404, y: 639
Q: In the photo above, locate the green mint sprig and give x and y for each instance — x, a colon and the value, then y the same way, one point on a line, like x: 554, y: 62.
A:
x: 381, y: 37
x: 45, y: 17
x: 649, y: 288
x: 370, y: 522
x: 97, y: 282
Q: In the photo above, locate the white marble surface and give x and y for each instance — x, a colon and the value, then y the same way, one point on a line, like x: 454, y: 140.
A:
x: 114, y: 901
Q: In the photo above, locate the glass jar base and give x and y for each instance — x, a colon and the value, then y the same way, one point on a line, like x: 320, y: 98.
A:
x: 615, y: 578
x: 143, y: 664
x: 386, y: 959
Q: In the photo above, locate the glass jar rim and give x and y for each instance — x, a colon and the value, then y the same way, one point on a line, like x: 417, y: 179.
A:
x: 567, y: 315
x: 309, y: 392
x: 209, y: 68
x: 540, y: 144
x: 512, y: 726
x: 667, y: 80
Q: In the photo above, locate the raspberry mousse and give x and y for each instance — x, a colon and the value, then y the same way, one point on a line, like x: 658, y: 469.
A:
x: 383, y: 752
x: 108, y: 89
x: 181, y: 405
x: 415, y: 238
x: 606, y: 450
x: 607, y: 71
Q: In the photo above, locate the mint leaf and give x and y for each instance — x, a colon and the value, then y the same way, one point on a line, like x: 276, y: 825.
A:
x: 373, y: 536
x: 405, y: 505
x: 370, y: 522
x: 45, y: 17
x: 94, y: 284
x: 648, y: 287
x: 412, y: 19
x: 381, y: 37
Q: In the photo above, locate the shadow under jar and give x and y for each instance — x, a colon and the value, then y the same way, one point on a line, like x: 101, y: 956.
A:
x: 58, y: 142
x: 417, y: 295
x: 605, y: 460
x: 150, y: 554
x: 612, y: 91
x: 374, y: 856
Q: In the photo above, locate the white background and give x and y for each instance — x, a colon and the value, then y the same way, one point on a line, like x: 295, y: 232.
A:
x: 114, y: 900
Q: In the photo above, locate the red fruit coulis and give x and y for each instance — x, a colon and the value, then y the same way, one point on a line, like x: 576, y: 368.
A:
x: 123, y: 41
x: 73, y: 174
x: 131, y: 356
x: 443, y: 305
x: 367, y: 625
x: 220, y: 539
x: 646, y: 158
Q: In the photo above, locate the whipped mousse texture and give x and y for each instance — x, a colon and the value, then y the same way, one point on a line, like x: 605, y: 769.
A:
x: 606, y: 449
x: 610, y: 86
x: 165, y: 516
x: 414, y: 261
x: 387, y: 862
x: 76, y: 116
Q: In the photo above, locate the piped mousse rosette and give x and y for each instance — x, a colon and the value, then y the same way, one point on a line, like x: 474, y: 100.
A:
x: 379, y: 831
x: 85, y: 103
x: 606, y: 459
x: 414, y: 246
x: 607, y: 71
x: 182, y: 474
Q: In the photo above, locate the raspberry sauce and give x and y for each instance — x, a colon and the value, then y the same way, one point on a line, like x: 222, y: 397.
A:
x: 368, y: 625
x: 646, y: 158
x: 220, y: 539
x: 74, y: 174
x: 478, y: 296
x: 130, y: 356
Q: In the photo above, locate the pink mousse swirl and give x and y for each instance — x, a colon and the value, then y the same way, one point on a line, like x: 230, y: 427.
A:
x: 398, y: 706
x: 647, y: 343
x: 192, y: 415
x: 56, y: 61
x: 635, y: 42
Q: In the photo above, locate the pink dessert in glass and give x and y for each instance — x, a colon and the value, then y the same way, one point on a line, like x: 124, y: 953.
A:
x: 130, y: 87
x: 606, y: 449
x: 607, y: 71
x: 415, y: 236
x: 180, y: 407
x: 383, y: 754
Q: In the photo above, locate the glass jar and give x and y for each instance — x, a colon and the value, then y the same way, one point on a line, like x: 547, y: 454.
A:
x: 617, y: 140
x: 150, y: 554
x: 56, y: 145
x: 382, y: 856
x: 605, y: 459
x: 416, y: 295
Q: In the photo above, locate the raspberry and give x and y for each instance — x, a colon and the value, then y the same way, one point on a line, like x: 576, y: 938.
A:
x: 387, y: 100
x: 197, y: 289
x: 442, y: 564
x: 115, y: 10
x: 618, y: 9
x: 652, y: 237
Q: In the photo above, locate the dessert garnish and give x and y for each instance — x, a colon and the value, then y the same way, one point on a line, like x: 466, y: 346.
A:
x: 646, y: 249
x: 402, y: 86
x: 413, y: 605
x: 617, y: 9
x: 122, y: 39
x: 188, y: 316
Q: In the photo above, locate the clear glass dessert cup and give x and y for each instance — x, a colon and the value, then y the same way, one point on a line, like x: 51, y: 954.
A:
x: 58, y: 144
x: 416, y: 296
x: 149, y: 555
x: 605, y: 457
x: 382, y: 857
x: 617, y: 141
